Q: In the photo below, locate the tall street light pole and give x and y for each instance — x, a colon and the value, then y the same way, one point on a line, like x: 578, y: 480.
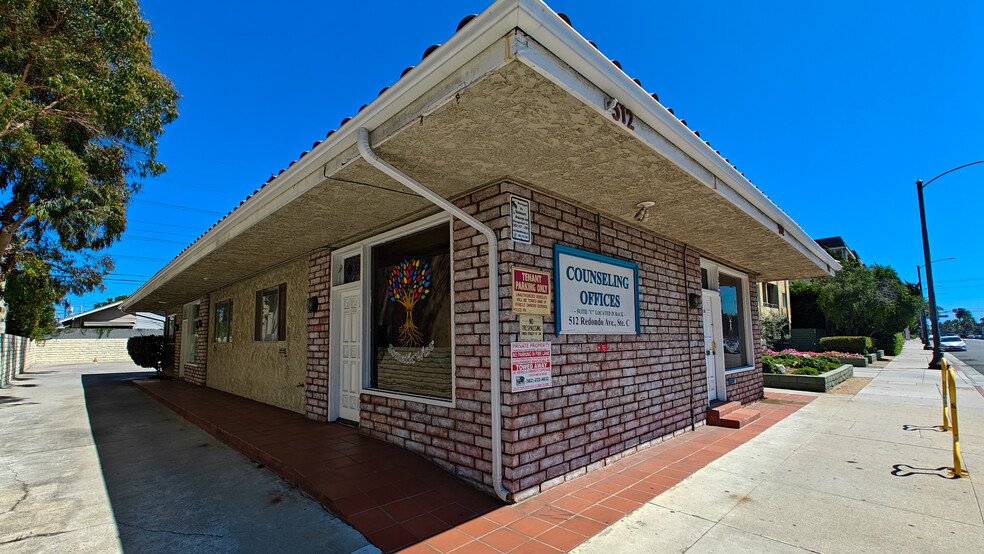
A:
x: 934, y: 316
x: 922, y: 318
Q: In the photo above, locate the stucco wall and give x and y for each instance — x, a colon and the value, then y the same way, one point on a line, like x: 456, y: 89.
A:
x: 269, y: 372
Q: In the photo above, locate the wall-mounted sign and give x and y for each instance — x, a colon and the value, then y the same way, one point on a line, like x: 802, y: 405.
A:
x: 520, y: 220
x: 530, y: 365
x: 596, y: 295
x: 531, y: 292
x: 530, y: 328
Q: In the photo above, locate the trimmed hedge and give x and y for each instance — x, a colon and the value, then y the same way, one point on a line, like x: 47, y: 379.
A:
x: 890, y: 343
x: 856, y: 345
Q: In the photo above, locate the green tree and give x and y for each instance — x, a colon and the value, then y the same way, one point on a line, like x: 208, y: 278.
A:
x: 110, y: 301
x: 866, y: 301
x: 81, y: 109
x: 32, y: 294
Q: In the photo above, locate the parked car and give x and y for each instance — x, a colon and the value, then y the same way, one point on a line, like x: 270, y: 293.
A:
x: 953, y: 342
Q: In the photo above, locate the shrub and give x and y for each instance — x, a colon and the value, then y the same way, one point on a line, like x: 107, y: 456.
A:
x: 147, y: 352
x: 891, y: 343
x: 773, y: 328
x: 805, y: 371
x: 857, y: 345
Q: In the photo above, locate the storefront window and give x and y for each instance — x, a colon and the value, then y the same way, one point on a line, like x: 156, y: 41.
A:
x: 733, y: 321
x: 411, y: 323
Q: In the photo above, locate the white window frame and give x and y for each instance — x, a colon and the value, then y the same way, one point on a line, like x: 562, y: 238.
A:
x: 189, y: 356
x: 714, y: 270
x: 364, y: 248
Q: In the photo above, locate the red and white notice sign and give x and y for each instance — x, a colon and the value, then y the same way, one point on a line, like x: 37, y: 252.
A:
x: 530, y: 365
x: 531, y: 292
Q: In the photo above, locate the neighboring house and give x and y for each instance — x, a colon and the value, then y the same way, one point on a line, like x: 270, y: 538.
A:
x: 624, y: 252
x: 838, y: 248
x: 110, y: 316
x: 774, y: 298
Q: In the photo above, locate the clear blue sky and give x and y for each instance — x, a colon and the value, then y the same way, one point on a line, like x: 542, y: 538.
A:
x: 833, y: 109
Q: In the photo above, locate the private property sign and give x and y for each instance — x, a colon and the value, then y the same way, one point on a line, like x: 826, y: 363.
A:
x: 531, y: 292
x: 596, y: 295
x: 530, y: 365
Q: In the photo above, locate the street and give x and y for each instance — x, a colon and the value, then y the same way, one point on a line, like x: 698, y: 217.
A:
x: 973, y: 357
x: 89, y: 463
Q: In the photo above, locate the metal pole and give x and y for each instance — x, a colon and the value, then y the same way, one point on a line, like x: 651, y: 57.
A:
x: 922, y: 316
x: 933, y: 315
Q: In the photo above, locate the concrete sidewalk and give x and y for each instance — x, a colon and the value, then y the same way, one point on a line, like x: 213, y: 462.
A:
x: 843, y: 474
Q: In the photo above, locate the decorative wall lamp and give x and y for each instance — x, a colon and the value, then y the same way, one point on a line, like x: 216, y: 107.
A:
x: 695, y: 300
x: 312, y: 304
x: 643, y: 214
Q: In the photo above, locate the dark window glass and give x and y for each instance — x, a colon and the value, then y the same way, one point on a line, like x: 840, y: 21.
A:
x: 411, y: 320
x: 733, y: 322
x: 271, y: 314
x: 223, y: 321
x: 705, y: 281
x: 352, y: 269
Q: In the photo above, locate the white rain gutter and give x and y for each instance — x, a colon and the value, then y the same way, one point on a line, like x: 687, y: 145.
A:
x: 366, y: 151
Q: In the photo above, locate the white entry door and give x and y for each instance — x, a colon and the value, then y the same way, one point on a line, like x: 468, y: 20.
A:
x: 349, y: 340
x: 711, y: 306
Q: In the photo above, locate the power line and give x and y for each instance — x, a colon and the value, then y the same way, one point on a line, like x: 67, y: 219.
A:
x: 141, y: 258
x: 170, y: 225
x: 160, y: 232
x: 176, y: 207
x: 151, y: 239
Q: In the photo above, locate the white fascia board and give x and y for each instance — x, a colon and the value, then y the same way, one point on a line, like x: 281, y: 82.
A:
x: 557, y: 37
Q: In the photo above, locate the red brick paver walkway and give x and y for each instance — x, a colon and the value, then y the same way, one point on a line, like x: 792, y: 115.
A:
x: 398, y: 500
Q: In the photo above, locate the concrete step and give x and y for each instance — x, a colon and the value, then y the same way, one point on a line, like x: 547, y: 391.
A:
x: 723, y: 407
x: 733, y: 420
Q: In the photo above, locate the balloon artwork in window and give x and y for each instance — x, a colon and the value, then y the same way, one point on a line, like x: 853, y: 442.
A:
x: 409, y: 283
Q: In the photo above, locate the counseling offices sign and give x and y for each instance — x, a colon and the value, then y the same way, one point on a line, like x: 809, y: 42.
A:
x: 596, y: 295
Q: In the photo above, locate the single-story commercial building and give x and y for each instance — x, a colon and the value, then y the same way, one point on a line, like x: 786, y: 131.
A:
x: 516, y: 163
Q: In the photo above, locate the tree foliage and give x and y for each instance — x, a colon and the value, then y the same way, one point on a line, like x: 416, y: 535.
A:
x: 148, y: 351
x: 32, y: 295
x: 962, y: 324
x: 774, y: 328
x: 81, y: 109
x: 110, y: 301
x: 866, y: 301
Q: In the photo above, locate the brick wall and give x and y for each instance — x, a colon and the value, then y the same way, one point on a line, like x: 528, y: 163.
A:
x: 601, y: 404
x: 748, y: 385
x: 196, y: 373
x: 318, y: 327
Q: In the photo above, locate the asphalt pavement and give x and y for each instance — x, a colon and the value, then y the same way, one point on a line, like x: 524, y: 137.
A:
x: 88, y: 463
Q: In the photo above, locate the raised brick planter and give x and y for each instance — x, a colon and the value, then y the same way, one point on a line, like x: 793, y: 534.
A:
x: 813, y: 383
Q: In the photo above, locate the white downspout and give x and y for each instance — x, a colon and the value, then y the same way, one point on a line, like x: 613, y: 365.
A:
x: 366, y: 151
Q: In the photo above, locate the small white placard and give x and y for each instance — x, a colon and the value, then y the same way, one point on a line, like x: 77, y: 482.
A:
x: 519, y: 219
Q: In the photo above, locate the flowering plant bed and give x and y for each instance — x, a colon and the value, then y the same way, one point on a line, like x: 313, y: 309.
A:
x: 809, y: 371
x: 856, y: 360
x: 814, y: 383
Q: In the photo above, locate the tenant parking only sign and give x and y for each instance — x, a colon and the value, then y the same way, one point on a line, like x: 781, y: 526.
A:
x: 596, y: 295
x: 531, y: 292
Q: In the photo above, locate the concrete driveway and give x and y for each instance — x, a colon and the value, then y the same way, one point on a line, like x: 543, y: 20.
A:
x: 88, y: 463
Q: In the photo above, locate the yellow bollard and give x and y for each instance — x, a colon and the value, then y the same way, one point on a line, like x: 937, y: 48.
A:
x: 943, y: 392
x: 956, y: 470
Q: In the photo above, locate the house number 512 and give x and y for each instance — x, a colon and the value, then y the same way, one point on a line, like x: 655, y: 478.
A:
x: 623, y: 114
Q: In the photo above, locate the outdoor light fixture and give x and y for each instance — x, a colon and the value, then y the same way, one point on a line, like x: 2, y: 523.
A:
x: 933, y: 315
x: 695, y: 300
x: 643, y: 214
x: 312, y: 304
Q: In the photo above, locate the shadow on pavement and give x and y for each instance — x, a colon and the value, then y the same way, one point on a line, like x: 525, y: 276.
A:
x: 174, y: 488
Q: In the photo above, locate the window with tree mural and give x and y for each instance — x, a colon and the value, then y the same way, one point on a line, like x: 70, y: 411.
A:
x: 411, y: 300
